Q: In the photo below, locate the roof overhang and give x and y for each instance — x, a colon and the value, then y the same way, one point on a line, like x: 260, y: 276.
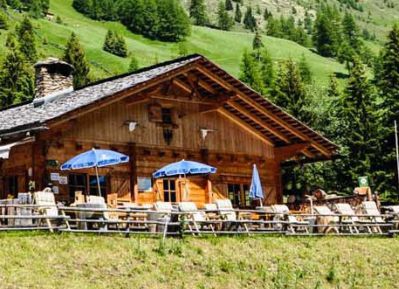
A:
x: 6, y: 148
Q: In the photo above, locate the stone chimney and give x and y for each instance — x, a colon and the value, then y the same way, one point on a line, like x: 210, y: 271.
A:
x: 53, y: 78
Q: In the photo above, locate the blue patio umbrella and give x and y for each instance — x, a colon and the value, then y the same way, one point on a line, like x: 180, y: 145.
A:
x: 184, y: 168
x: 255, y: 191
x: 95, y: 159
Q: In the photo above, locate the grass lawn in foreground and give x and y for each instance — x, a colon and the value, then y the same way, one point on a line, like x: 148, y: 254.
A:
x: 29, y: 260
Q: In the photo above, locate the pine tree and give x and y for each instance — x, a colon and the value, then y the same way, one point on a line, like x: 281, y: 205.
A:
x: 237, y: 14
x: 3, y: 21
x: 327, y: 31
x: 257, y: 44
x: 304, y: 69
x: 266, y: 70
x: 16, y: 79
x: 229, y: 5
x: 249, y: 20
x: 290, y: 92
x: 75, y: 55
x: 351, y: 32
x: 387, y: 79
x: 249, y: 72
x: 333, y: 91
x: 174, y: 24
x: 115, y: 44
x: 134, y: 64
x: 198, y: 12
x: 11, y: 41
x: 224, y: 20
x: 3, y: 4
x: 358, y: 126
x: 26, y: 39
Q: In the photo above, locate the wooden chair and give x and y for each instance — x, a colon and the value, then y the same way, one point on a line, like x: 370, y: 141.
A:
x: 374, y: 215
x: 195, y: 218
x: 328, y: 219
x: 49, y: 208
x: 348, y: 217
x: 112, y: 200
x: 228, y: 214
x: 79, y: 198
x: 282, y: 212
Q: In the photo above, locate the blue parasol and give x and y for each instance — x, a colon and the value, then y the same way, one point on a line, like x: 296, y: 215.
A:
x: 184, y: 168
x: 95, y: 159
x: 256, y: 192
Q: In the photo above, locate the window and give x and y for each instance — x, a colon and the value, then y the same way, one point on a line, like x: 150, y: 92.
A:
x: 167, y: 115
x: 144, y: 184
x: 76, y: 183
x: 169, y: 190
x: 13, y: 185
x: 239, y: 195
x: 94, y: 187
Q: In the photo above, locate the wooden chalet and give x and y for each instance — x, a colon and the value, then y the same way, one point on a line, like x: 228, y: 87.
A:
x: 188, y: 108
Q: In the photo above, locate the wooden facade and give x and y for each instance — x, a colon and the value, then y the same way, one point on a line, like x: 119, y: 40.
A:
x: 196, y: 112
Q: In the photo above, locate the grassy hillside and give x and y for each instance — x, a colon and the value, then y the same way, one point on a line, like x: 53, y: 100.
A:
x: 225, y: 48
x: 376, y: 15
x: 77, y: 261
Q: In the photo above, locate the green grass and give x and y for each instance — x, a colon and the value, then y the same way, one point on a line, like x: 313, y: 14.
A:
x: 224, y: 48
x: 87, y: 261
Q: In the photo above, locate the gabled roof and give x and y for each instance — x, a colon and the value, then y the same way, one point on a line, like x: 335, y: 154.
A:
x: 244, y: 106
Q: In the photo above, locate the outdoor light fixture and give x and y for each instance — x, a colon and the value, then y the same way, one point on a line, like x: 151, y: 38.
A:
x: 132, y: 125
x: 205, y: 131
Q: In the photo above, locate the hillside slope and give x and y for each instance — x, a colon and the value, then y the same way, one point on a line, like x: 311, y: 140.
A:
x: 224, y: 48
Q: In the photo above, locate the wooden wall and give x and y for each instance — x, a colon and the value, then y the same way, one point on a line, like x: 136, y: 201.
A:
x: 231, y: 149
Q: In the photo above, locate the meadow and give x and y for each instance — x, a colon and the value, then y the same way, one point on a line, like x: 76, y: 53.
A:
x: 224, y: 48
x: 39, y: 260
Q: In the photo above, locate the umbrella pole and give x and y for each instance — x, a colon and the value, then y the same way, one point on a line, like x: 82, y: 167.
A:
x: 98, y: 182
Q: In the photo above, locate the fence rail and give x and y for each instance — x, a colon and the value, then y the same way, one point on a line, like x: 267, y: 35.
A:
x: 175, y: 223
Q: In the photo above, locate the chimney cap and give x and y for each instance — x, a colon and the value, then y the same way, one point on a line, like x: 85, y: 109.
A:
x: 55, y: 63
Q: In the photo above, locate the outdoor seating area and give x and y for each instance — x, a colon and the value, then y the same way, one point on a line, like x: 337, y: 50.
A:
x: 175, y: 219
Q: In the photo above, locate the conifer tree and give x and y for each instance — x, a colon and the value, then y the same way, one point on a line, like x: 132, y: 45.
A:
x: 3, y: 4
x: 249, y: 72
x: 333, y: 91
x: 134, y: 64
x: 358, y: 125
x: 266, y: 70
x: 3, y: 21
x: 327, y: 31
x: 257, y: 44
x: 115, y: 44
x: 75, y: 55
x: 238, y: 14
x: 290, y: 92
x: 26, y: 39
x: 16, y: 79
x: 229, y: 5
x: 198, y: 12
x: 174, y: 24
x: 224, y: 20
x: 249, y: 20
x: 304, y: 69
x: 387, y: 79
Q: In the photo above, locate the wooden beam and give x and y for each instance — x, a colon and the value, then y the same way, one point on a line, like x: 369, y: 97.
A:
x: 253, y: 103
x: 287, y: 152
x: 245, y: 126
x: 259, y: 121
x: 181, y: 84
x: 133, y: 172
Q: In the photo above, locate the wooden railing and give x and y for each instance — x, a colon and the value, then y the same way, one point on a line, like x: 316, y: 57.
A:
x: 175, y: 223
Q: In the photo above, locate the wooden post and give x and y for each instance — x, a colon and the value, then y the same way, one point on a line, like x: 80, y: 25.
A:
x: 133, y: 172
